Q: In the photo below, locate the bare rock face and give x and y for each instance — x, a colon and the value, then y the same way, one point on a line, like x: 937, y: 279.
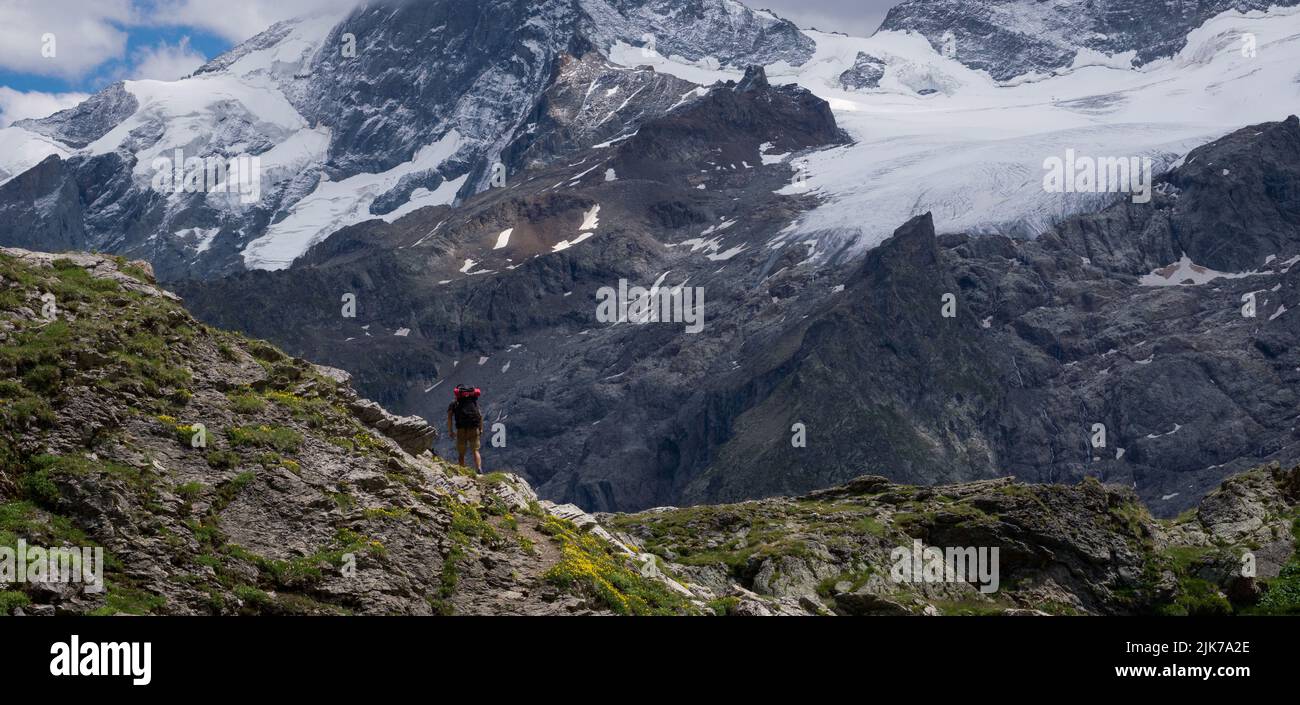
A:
x: 412, y: 433
x: 866, y: 72
x: 80, y: 125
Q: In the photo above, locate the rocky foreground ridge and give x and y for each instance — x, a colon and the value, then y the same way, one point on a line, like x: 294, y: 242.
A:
x: 223, y: 477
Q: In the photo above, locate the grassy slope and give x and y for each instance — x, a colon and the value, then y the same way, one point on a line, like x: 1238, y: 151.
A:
x: 100, y: 406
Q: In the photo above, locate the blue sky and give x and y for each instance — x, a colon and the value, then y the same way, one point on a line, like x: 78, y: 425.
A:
x: 97, y: 42
x: 140, y: 42
x: 54, y: 53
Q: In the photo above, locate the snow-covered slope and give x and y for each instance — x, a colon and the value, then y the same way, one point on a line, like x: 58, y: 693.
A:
x: 1015, y: 38
x: 937, y: 136
x: 366, y: 114
x: 21, y: 150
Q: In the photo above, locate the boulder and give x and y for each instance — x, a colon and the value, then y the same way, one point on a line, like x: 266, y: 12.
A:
x: 412, y: 433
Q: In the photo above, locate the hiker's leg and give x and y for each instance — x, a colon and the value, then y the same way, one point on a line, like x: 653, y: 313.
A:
x: 475, y: 437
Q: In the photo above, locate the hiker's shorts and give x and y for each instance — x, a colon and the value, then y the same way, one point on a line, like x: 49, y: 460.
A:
x: 467, y: 439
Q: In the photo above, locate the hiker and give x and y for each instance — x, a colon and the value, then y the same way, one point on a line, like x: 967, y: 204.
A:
x: 468, y: 423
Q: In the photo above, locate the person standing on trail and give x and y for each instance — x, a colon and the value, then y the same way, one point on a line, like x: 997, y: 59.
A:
x: 468, y: 423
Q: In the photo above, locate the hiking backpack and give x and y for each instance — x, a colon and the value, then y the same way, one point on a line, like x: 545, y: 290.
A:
x: 466, y: 410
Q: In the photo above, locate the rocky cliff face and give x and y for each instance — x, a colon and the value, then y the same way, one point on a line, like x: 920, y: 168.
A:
x: 721, y: 31
x: 1012, y: 38
x: 1111, y: 323
x: 1100, y: 323
x: 496, y: 294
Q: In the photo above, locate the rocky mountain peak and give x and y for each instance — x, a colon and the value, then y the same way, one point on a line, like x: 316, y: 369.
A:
x: 367, y: 114
x: 755, y: 80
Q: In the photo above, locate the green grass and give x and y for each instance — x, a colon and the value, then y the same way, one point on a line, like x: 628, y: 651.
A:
x: 279, y: 438
x: 314, y: 412
x: 41, y: 482
x: 253, y: 596
x: 1196, y: 598
x: 589, y: 566
x: 228, y: 491
x: 869, y: 525
x: 855, y: 580
x: 1282, y: 596
x: 247, y: 403
x: 24, y: 518
x: 190, y: 491
x: 11, y: 599
x: 968, y: 608
x: 123, y: 599
x: 724, y: 606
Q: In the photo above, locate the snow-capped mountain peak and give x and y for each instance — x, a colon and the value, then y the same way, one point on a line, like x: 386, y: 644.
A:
x: 364, y: 114
x: 393, y: 106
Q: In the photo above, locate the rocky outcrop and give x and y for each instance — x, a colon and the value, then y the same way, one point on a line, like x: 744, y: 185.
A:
x: 866, y: 72
x: 1084, y: 549
x: 702, y: 30
x: 86, y: 122
x: 591, y: 102
x: 221, y: 476
x: 412, y: 433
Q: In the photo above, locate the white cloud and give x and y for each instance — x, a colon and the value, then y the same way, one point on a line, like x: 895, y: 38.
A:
x: 166, y: 62
x: 89, y: 33
x: 16, y: 105
x: 82, y: 35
